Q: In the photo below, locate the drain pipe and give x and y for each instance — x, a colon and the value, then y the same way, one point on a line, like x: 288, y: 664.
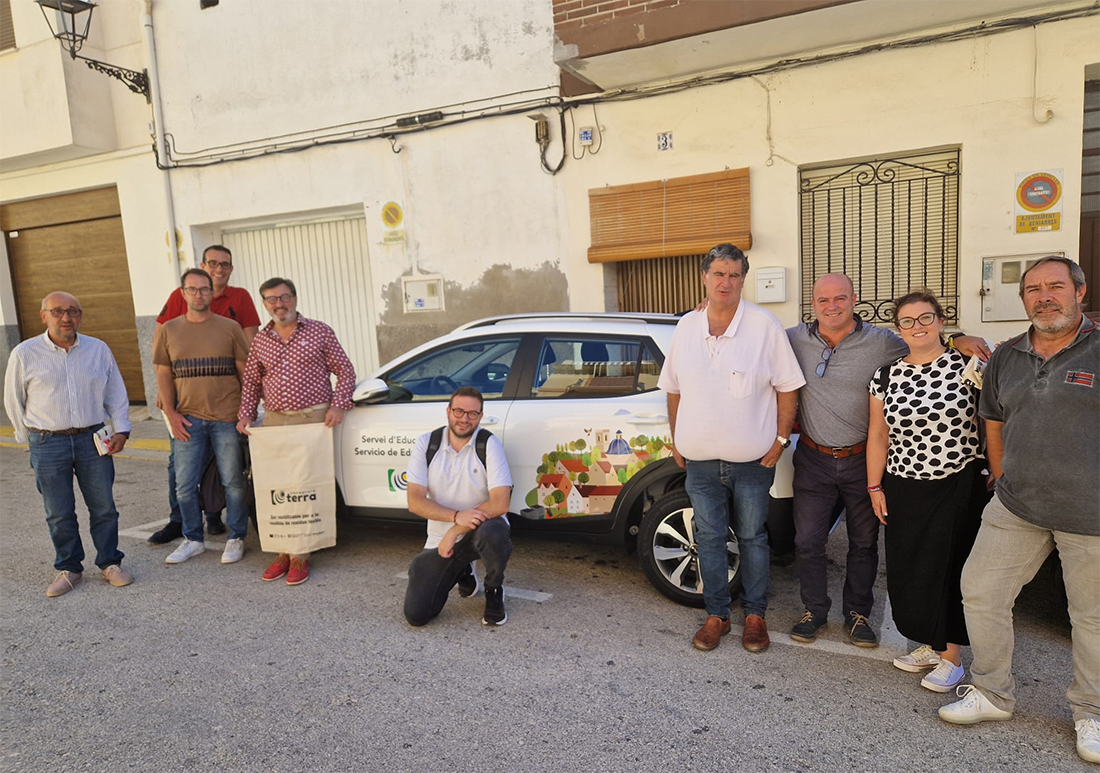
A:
x: 158, y: 135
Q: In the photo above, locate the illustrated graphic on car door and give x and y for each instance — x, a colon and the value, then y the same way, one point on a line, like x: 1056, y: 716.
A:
x: 378, y: 442
x: 593, y: 418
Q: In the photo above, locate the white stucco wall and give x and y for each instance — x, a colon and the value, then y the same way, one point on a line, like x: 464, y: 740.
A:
x: 975, y: 94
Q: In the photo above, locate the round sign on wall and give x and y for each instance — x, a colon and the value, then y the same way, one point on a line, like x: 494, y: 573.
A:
x: 392, y: 215
x: 1038, y: 192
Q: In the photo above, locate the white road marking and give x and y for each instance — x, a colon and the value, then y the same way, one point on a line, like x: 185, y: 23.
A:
x: 519, y: 593
x: 146, y: 530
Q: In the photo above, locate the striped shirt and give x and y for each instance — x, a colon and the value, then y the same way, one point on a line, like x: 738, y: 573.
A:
x: 48, y: 388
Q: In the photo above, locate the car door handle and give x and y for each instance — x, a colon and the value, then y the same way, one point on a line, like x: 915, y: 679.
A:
x: 490, y: 420
x: 648, y: 419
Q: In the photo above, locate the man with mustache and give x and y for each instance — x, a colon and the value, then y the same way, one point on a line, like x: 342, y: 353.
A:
x: 291, y: 363
x: 1040, y: 399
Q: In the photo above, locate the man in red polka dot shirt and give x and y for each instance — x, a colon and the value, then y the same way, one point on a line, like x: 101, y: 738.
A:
x: 290, y: 364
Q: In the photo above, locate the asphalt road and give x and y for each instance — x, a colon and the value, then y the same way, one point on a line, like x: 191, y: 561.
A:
x: 204, y: 667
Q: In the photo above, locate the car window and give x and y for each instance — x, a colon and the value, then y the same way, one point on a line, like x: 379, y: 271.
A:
x: 434, y: 375
x: 594, y: 367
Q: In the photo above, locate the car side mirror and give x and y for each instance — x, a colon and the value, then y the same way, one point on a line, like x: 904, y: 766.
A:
x: 371, y: 391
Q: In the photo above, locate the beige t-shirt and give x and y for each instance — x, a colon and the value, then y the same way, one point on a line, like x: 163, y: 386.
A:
x: 204, y: 358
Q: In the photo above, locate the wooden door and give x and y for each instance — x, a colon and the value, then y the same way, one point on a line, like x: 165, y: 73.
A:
x: 85, y: 258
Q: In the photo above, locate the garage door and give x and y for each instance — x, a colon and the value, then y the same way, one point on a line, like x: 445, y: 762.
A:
x: 329, y: 264
x: 75, y: 243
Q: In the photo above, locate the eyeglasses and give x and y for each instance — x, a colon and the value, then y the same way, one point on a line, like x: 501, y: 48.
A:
x: 459, y: 413
x: 197, y: 290
x: 925, y: 320
x: 219, y: 264
x: 59, y: 313
x: 270, y: 300
x: 826, y: 353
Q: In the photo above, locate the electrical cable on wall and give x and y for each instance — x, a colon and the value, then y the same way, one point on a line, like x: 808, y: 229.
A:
x: 342, y: 133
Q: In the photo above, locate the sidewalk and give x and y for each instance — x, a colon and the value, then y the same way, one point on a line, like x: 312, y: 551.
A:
x: 148, y: 437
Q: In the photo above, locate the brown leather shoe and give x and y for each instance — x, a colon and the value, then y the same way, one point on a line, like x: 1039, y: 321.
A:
x: 710, y: 635
x: 755, y: 636
x: 63, y: 583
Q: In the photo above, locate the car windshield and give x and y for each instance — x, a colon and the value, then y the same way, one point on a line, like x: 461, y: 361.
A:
x: 483, y: 363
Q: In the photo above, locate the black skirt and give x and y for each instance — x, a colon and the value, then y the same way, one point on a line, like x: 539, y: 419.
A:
x: 930, y: 529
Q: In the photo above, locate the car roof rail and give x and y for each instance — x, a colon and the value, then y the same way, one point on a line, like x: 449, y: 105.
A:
x: 573, y: 316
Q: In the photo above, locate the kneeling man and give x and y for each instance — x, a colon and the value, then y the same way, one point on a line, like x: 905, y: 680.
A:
x: 461, y: 485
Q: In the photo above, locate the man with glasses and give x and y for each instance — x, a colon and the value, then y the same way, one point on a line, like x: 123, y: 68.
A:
x: 199, y: 359
x: 839, y: 353
x: 732, y: 384
x: 290, y: 365
x: 459, y: 482
x: 58, y: 389
x: 233, y: 303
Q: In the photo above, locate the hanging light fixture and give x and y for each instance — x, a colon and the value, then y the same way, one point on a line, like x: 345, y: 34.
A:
x: 70, y: 22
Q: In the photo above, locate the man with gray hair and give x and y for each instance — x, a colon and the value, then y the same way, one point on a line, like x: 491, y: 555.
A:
x: 730, y: 368
x: 59, y: 388
x: 1040, y: 400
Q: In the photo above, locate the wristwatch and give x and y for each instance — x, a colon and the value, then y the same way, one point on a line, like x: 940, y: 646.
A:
x: 783, y: 441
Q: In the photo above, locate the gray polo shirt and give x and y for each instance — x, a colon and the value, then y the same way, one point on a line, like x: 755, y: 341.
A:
x: 833, y: 409
x: 1051, y: 412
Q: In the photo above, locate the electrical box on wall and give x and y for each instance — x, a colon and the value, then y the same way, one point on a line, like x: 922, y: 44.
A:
x: 423, y: 293
x: 771, y: 285
x: 1001, y: 285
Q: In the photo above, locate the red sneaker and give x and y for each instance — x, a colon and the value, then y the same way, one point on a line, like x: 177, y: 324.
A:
x: 278, y: 568
x: 299, y: 571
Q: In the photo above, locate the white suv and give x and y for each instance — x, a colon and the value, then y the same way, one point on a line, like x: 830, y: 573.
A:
x: 574, y: 399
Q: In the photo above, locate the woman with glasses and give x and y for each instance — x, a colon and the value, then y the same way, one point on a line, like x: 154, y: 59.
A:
x: 927, y: 484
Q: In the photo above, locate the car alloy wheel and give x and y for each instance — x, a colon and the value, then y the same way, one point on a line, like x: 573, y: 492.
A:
x: 669, y: 554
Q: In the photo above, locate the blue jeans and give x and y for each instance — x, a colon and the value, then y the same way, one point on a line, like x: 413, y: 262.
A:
x: 190, y: 459
x: 54, y: 459
x: 173, y: 503
x: 711, y: 485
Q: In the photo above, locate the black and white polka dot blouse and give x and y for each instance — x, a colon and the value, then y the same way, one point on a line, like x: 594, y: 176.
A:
x: 932, y: 415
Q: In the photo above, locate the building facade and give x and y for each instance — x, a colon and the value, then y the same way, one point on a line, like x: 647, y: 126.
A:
x: 415, y: 166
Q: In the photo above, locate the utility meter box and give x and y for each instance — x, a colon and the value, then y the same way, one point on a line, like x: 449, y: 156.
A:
x: 771, y: 284
x: 1001, y: 285
x: 423, y: 293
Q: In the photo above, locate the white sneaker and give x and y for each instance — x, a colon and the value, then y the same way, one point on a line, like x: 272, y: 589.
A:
x: 920, y: 659
x: 188, y: 549
x: 234, y: 551
x: 943, y: 677
x: 973, y: 708
x: 1088, y: 739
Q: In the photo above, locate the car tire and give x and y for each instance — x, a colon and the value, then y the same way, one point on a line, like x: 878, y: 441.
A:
x: 667, y: 551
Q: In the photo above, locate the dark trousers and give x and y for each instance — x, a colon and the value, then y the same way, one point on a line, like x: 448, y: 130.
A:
x: 819, y: 481
x: 431, y: 576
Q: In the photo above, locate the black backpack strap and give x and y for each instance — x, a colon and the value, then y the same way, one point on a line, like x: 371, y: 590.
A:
x: 481, y: 445
x: 435, y: 440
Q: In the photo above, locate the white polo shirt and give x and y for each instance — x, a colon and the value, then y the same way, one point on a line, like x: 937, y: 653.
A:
x: 727, y: 384
x: 456, y: 479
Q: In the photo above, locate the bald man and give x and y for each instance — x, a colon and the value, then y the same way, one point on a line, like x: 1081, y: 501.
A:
x: 839, y: 353
x: 59, y: 389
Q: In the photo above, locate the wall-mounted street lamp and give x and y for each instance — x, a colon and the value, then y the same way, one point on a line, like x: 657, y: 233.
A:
x: 70, y: 23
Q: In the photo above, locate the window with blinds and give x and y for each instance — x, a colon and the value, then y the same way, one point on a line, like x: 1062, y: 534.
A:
x: 890, y: 224
x: 661, y: 286
x: 680, y: 216
x: 7, y: 32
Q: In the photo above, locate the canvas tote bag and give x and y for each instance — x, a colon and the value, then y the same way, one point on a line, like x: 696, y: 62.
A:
x: 295, y: 484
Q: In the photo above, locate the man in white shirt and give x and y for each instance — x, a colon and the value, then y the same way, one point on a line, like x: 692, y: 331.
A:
x: 732, y: 383
x: 59, y: 388
x: 461, y: 485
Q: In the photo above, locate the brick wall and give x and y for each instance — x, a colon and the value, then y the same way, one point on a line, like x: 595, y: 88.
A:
x: 570, y: 15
